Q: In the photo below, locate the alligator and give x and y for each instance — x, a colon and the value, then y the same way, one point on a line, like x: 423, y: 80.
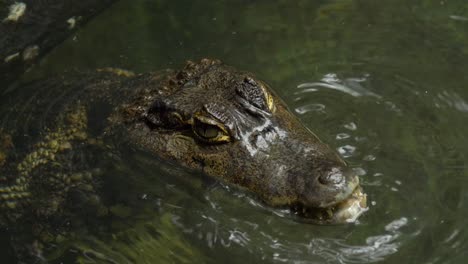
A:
x: 207, y: 117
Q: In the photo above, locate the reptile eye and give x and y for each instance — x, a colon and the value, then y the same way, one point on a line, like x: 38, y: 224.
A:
x: 207, y: 130
x: 268, y: 98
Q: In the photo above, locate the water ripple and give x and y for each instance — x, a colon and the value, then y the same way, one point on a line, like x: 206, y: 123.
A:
x: 346, y: 151
x: 351, y: 86
x: 351, y: 126
x: 458, y: 18
x: 451, y: 99
x: 341, y: 136
x: 310, y: 108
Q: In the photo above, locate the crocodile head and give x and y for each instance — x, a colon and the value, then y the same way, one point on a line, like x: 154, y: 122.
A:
x: 233, y: 127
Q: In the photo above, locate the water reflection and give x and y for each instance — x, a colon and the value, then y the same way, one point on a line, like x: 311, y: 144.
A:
x: 376, y: 248
x: 459, y: 18
x: 265, y: 236
x: 453, y: 100
x: 310, y: 108
x: 352, y: 86
x: 346, y: 151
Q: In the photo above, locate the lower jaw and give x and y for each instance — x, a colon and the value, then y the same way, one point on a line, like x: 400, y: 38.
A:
x: 347, y: 211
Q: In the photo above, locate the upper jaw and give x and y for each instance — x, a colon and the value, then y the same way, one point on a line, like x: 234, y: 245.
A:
x: 351, y: 184
x: 345, y: 207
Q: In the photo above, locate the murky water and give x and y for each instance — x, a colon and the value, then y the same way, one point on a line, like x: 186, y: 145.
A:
x: 384, y: 82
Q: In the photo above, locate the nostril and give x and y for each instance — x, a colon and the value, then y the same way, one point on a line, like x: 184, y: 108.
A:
x: 333, y: 177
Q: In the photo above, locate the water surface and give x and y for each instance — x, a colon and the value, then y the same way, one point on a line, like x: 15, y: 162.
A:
x: 383, y: 82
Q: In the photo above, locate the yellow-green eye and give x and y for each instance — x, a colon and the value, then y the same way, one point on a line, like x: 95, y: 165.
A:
x: 208, y: 130
x: 268, y: 98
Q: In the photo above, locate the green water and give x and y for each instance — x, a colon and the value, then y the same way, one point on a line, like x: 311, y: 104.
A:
x: 384, y: 82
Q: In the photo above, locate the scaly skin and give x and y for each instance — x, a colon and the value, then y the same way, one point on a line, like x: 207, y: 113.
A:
x: 261, y: 146
x: 5, y: 145
x: 45, y: 153
x: 207, y: 116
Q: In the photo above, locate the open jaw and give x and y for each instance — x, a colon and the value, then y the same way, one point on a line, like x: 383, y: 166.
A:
x: 347, y: 210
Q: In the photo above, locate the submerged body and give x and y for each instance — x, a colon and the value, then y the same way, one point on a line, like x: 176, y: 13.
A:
x: 207, y: 117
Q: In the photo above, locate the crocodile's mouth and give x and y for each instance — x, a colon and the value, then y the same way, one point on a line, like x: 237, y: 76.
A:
x: 346, y: 211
